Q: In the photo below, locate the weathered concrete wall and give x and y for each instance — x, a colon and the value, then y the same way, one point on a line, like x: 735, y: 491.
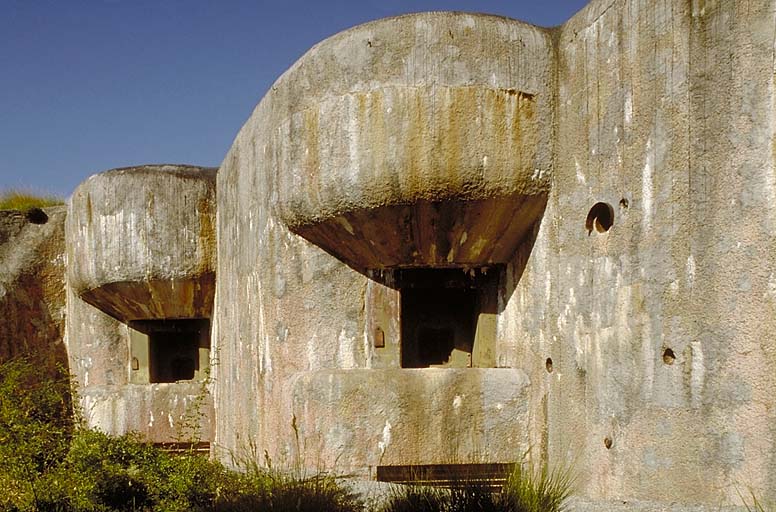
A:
x: 141, y: 243
x: 639, y: 354
x: 369, y: 120
x: 99, y: 356
x: 32, y: 284
x: 645, y: 346
x: 373, y: 133
x: 665, y: 111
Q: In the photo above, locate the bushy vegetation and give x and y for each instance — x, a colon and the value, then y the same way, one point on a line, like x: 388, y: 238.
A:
x: 103, y: 473
x: 458, y: 499
x: 23, y: 200
x: 35, y: 429
x: 50, y: 463
x: 272, y: 491
x: 543, y: 489
x: 268, y: 489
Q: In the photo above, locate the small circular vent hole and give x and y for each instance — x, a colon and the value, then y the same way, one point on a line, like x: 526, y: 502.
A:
x: 668, y: 356
x: 600, y: 217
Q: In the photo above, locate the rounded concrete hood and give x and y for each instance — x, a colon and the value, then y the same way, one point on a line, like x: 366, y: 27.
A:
x: 141, y: 241
x: 417, y: 140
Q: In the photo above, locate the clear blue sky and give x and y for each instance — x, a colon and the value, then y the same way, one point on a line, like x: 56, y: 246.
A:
x: 89, y: 85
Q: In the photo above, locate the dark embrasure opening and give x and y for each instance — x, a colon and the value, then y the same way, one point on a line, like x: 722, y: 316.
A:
x: 441, y: 312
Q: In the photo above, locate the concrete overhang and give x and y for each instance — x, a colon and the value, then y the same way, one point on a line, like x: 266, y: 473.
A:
x: 423, y: 140
x: 141, y: 242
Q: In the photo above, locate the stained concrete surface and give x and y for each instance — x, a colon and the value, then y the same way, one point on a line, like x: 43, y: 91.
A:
x: 141, y: 247
x: 32, y: 285
x: 141, y: 241
x: 470, y: 143
x: 660, y: 109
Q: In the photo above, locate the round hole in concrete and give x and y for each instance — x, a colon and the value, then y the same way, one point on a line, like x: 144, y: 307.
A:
x: 668, y: 356
x: 548, y: 365
x: 37, y: 216
x: 600, y: 217
x: 608, y: 442
x: 624, y: 203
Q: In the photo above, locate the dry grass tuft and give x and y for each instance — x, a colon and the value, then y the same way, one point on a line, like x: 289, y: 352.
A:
x: 24, y: 200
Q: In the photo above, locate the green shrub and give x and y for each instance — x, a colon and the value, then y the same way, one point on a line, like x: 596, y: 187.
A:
x: 48, y: 464
x: 416, y: 499
x: 36, y: 425
x: 192, y: 482
x: 287, y: 494
x: 22, y: 200
x: 464, y: 497
x: 108, y: 473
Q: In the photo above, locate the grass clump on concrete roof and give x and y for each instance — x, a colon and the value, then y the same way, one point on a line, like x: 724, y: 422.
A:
x: 24, y: 200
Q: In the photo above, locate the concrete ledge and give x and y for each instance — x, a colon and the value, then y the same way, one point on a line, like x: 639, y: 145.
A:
x: 431, y: 234
x: 412, y: 416
x: 160, y: 412
x: 582, y: 505
x: 160, y: 299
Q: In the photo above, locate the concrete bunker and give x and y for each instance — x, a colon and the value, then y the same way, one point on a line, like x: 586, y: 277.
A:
x: 436, y: 149
x: 433, y: 214
x: 141, y: 279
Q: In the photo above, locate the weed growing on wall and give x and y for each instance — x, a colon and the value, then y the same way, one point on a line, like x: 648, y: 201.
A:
x: 538, y: 490
x: 189, y: 430
x: 753, y: 504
